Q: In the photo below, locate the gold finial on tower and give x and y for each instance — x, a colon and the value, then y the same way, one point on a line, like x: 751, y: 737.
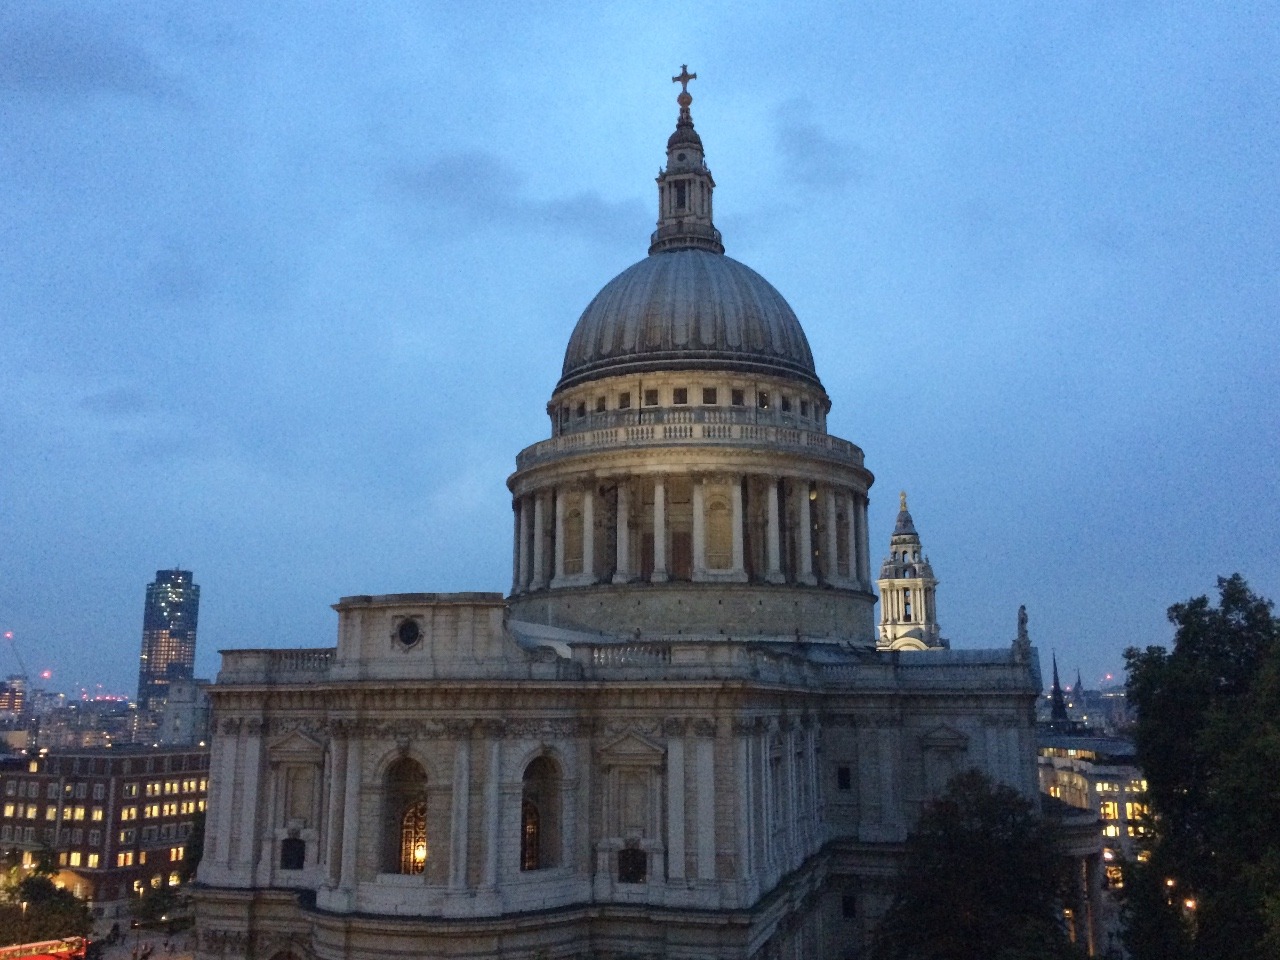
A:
x: 684, y: 99
x: 902, y: 499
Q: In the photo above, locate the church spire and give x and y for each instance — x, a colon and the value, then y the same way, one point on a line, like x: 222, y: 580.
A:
x: 1059, y: 711
x: 685, y: 186
x: 908, y: 591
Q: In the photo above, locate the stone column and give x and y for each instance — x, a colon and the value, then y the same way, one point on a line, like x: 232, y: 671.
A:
x: 561, y: 502
x: 746, y: 807
x: 333, y: 823
x: 222, y: 797
x: 735, y: 517
x: 351, y: 817
x: 492, y: 799
x: 515, y: 546
x: 459, y: 815
x: 526, y: 535
x: 589, y: 531
x: 539, y: 541
x: 659, y: 531
x: 699, y: 528
x: 705, y: 810
x: 675, y: 807
x: 804, y: 517
x: 773, y: 535
x: 851, y: 535
x: 831, y: 562
x: 863, y: 554
x: 623, y: 572
x: 247, y: 815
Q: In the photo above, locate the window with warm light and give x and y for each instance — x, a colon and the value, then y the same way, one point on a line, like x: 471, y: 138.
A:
x: 413, y: 839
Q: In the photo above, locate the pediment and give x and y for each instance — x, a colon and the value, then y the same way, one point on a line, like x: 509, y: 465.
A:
x: 633, y: 749
x: 297, y: 747
x: 944, y: 738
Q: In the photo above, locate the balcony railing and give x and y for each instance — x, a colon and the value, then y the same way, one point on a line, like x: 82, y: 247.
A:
x: 685, y: 427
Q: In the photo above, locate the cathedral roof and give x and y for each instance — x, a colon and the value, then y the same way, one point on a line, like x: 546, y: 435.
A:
x: 687, y: 306
x: 687, y: 309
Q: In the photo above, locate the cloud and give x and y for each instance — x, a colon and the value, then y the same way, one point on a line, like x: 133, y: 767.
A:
x: 117, y: 402
x: 476, y: 188
x: 812, y: 156
x: 53, y: 52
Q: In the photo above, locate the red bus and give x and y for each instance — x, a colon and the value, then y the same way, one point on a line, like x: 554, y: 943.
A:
x: 70, y: 948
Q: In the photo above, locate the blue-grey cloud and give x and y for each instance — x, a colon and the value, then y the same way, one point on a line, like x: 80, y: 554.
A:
x: 475, y: 188
x: 62, y: 52
x: 811, y: 155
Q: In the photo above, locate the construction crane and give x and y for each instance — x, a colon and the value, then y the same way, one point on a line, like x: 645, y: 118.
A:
x: 13, y: 645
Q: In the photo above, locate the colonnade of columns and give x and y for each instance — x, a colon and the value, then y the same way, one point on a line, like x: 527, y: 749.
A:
x: 806, y: 532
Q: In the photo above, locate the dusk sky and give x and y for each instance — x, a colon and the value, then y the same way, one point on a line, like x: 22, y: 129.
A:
x: 285, y: 287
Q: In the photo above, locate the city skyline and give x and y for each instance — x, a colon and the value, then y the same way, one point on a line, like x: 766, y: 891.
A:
x: 286, y: 295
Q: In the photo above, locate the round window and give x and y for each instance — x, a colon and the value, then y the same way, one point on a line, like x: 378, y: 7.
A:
x: 679, y: 156
x: 409, y: 632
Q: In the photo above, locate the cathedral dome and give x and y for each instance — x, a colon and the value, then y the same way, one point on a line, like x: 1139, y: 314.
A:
x: 683, y: 309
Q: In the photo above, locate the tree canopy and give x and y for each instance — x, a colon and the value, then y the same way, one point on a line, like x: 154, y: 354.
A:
x: 981, y: 881
x: 1208, y: 741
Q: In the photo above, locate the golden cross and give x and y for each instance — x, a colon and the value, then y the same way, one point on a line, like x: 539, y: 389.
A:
x: 684, y: 78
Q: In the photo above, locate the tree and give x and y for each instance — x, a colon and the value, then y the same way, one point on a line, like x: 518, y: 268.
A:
x: 981, y: 881
x: 1208, y: 740
x: 42, y: 911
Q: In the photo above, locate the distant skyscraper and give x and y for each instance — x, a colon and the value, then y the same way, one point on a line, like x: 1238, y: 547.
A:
x: 168, y: 635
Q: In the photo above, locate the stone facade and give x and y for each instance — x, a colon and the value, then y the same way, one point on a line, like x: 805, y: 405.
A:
x: 675, y: 738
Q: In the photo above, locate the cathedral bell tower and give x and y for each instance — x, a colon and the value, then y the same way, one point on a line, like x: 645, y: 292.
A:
x: 685, y: 186
x: 908, y: 589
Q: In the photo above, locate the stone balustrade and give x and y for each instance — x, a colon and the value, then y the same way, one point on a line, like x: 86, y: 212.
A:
x: 675, y: 430
x: 275, y: 666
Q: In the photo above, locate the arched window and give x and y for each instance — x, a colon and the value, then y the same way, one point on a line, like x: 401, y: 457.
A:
x: 413, y: 838
x: 530, y: 836
x: 906, y: 604
x: 573, y: 535
x: 404, y: 828
x: 540, y: 815
x: 719, y: 536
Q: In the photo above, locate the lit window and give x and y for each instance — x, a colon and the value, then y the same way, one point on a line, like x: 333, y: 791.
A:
x: 128, y: 813
x: 93, y: 861
x: 1111, y: 830
x: 51, y: 813
x: 1109, y: 810
x: 413, y: 838
x: 96, y: 814
x: 8, y: 809
x: 74, y: 859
